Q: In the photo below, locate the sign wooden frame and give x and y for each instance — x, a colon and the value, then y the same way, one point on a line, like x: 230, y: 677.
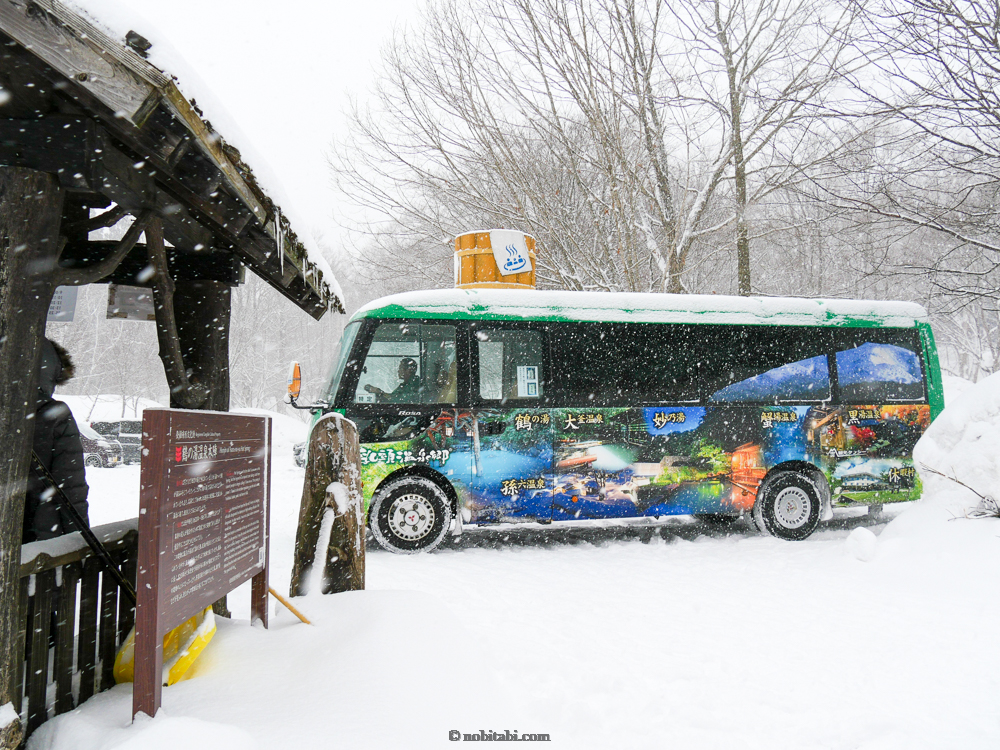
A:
x: 204, y: 526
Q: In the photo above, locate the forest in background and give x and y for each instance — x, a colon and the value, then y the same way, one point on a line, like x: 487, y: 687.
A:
x: 765, y: 147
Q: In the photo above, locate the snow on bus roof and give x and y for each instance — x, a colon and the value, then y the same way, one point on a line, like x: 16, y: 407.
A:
x: 529, y: 304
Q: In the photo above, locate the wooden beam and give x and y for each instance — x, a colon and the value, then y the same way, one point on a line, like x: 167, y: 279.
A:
x: 183, y: 264
x: 92, y: 158
x: 57, y: 145
x: 84, y: 54
x: 92, y: 273
x: 190, y: 395
x: 87, y: 157
x: 101, y: 221
x: 144, y: 109
x: 118, y: 77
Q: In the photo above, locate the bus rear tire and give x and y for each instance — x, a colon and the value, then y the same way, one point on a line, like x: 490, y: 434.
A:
x: 788, y: 506
x: 410, y: 514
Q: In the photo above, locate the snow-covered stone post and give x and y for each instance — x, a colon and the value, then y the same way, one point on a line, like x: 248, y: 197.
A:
x: 331, y: 497
x: 30, y: 213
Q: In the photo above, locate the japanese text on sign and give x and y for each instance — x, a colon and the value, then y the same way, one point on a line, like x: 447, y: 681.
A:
x: 769, y: 418
x: 203, y: 526
x: 902, y: 474
x: 511, y: 487
x: 573, y: 421
x: 525, y: 421
x: 855, y: 415
x: 662, y: 418
x: 392, y: 456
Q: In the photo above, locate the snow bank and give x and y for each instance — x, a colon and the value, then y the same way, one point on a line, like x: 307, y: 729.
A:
x: 374, y: 671
x: 954, y: 387
x: 963, y: 443
x: 87, y: 730
x: 873, y: 639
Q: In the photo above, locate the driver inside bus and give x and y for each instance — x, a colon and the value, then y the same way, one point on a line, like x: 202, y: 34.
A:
x: 408, y: 391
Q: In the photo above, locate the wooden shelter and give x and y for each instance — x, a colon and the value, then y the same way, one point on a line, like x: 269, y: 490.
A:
x: 86, y: 122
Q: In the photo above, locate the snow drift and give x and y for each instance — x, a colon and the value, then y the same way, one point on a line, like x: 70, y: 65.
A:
x: 873, y: 638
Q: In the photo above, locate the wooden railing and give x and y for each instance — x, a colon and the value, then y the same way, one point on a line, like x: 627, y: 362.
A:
x: 72, y: 621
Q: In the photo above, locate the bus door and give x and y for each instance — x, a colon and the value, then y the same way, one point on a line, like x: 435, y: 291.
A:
x: 513, y: 431
x: 406, y: 401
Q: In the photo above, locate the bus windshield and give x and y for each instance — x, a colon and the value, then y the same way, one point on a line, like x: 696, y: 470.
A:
x: 346, y: 344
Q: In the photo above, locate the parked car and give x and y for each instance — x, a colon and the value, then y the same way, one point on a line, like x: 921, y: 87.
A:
x: 98, y: 450
x: 128, y: 432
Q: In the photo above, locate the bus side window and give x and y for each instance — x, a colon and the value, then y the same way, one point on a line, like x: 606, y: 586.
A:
x: 409, y: 363
x: 510, y: 364
x: 771, y: 365
x: 627, y: 364
x: 876, y: 366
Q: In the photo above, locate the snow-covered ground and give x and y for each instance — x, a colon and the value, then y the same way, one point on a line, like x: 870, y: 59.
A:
x: 864, y: 636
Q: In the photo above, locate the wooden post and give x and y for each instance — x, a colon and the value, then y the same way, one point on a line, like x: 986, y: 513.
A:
x: 202, y: 310
x: 30, y: 213
x: 334, y: 456
x: 184, y: 392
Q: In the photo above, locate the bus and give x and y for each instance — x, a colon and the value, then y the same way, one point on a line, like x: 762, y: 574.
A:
x: 492, y: 406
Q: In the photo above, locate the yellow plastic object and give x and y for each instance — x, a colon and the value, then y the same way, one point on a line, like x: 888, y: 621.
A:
x: 181, y: 647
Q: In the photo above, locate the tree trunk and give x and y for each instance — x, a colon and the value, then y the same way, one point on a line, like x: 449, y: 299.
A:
x: 30, y: 213
x: 738, y: 159
x: 202, y: 313
x: 334, y: 457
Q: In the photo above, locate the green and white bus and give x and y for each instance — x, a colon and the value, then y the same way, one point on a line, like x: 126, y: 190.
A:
x: 489, y: 406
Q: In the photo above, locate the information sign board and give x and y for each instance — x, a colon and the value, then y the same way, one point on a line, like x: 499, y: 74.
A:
x: 203, y: 526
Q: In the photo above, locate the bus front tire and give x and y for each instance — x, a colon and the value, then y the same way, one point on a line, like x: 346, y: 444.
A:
x: 409, y: 515
x: 788, y: 506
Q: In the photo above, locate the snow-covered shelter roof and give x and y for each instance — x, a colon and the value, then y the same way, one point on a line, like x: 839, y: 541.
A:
x: 517, y: 304
x: 115, y: 128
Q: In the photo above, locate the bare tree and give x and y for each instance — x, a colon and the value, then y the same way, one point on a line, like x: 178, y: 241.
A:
x: 937, y: 110
x: 623, y: 135
x: 767, y: 66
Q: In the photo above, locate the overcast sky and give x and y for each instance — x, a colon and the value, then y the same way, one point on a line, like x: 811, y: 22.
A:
x: 283, y: 71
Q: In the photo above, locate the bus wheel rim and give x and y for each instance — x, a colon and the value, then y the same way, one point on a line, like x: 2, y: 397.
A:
x: 411, y: 517
x: 792, y: 507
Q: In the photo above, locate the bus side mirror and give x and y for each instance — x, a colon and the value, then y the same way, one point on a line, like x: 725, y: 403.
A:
x: 295, y: 388
x: 294, y: 383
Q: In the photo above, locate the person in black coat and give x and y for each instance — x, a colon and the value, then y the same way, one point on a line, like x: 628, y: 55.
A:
x: 57, y: 444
